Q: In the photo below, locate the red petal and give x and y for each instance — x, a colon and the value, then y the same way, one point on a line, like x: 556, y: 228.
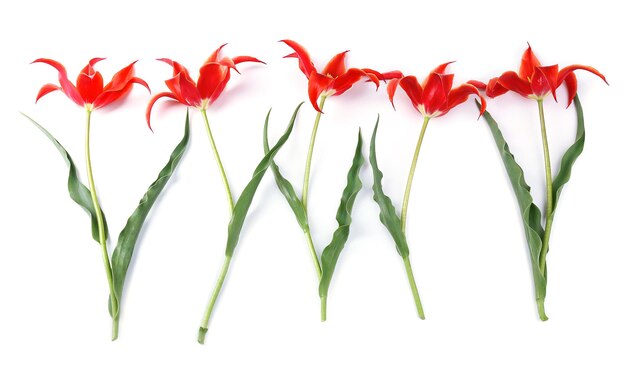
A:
x: 177, y: 66
x: 345, y: 81
x: 494, y: 88
x: 317, y: 84
x: 478, y: 84
x: 241, y: 59
x: 572, y: 86
x: 391, y: 75
x: 211, y: 76
x: 336, y: 66
x: 115, y: 93
x: 220, y: 88
x: 154, y: 100
x: 441, y: 69
x: 435, y: 95
x: 121, y: 78
x: 89, y: 82
x: 529, y: 63
x: 413, y: 89
x: 569, y: 69
x: 66, y: 86
x: 185, y: 89
x: 305, y: 63
x: 460, y: 94
x: 392, y: 86
x: 215, y: 55
x: 544, y: 80
x: 511, y: 81
x: 46, y: 89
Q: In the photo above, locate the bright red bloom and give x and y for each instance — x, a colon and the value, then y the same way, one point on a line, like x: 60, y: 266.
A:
x: 335, y: 79
x: 214, y: 75
x: 90, y: 91
x: 435, y: 97
x: 534, y: 80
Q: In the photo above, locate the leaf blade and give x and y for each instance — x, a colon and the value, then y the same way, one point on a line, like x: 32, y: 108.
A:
x: 245, y: 199
x: 333, y: 250
x: 77, y: 190
x: 127, y: 239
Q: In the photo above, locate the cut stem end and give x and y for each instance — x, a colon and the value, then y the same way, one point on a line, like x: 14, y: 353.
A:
x: 202, y: 334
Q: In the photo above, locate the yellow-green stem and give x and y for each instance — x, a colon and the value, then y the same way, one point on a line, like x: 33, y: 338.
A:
x: 101, y: 231
x: 549, y: 193
x: 416, y: 296
x: 409, y: 182
x: 229, y: 195
x: 307, y: 168
x: 204, y: 326
x: 316, y: 261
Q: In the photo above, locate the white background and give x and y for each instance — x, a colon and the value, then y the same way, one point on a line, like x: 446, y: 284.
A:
x: 468, y: 250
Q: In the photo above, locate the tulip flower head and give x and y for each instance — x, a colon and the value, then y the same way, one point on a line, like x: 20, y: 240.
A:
x: 212, y: 80
x: 90, y: 91
x: 335, y: 78
x: 435, y: 96
x: 536, y: 81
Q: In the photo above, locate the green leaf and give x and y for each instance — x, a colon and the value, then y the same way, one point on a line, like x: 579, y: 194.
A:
x: 286, y: 188
x: 388, y: 216
x: 331, y: 253
x: 570, y: 156
x: 78, y: 192
x: 531, y: 215
x: 127, y: 239
x: 245, y: 200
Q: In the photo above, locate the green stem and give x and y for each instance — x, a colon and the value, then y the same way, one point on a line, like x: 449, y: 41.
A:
x: 323, y: 308
x: 409, y: 182
x: 204, y: 326
x: 316, y: 261
x: 549, y: 194
x: 541, y: 309
x: 416, y: 296
x: 101, y: 231
x: 307, y: 169
x: 229, y: 195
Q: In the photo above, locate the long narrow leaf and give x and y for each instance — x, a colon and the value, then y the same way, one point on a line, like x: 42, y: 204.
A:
x: 245, y: 200
x: 331, y: 253
x: 78, y: 192
x: 286, y: 188
x: 127, y: 239
x: 570, y: 156
x: 388, y: 215
x: 531, y: 215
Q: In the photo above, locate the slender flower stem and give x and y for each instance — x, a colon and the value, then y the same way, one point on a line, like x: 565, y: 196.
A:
x: 101, y: 231
x: 316, y: 261
x: 204, y: 326
x: 409, y: 182
x: 229, y: 195
x: 307, y: 169
x: 416, y: 296
x: 549, y: 194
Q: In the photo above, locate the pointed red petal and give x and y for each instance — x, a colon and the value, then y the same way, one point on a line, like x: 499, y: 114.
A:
x: 336, y: 66
x: 66, y: 86
x: 211, y: 76
x: 441, y: 69
x: 154, y: 100
x: 544, y: 80
x: 184, y: 88
x: 88, y: 69
x: 569, y: 69
x: 121, y: 78
x: 220, y: 87
x: 345, y: 81
x: 460, y: 94
x: 413, y: 89
x: 305, y: 63
x: 478, y: 84
x: 511, y: 81
x: 392, y: 86
x: 176, y: 66
x: 317, y: 84
x: 89, y: 86
x: 528, y: 64
x: 215, y: 55
x: 241, y: 59
x: 117, y: 92
x: 435, y: 96
x: 572, y: 86
x: 494, y: 88
x: 46, y: 89
x: 391, y: 75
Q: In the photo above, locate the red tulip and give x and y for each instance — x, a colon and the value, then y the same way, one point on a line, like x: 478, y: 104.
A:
x: 335, y: 79
x: 90, y: 91
x: 534, y: 80
x: 214, y: 75
x: 435, y: 97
